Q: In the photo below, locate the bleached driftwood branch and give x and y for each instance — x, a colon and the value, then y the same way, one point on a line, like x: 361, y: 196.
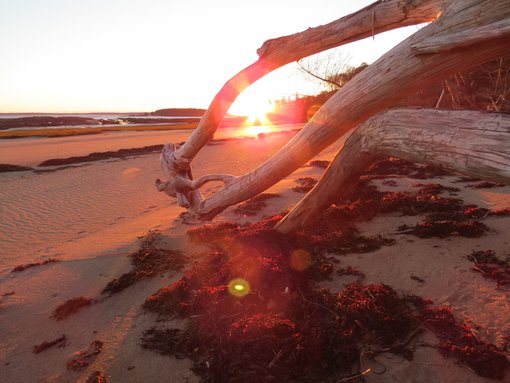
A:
x: 467, y: 33
x: 471, y: 142
x: 382, y: 85
x: 378, y: 17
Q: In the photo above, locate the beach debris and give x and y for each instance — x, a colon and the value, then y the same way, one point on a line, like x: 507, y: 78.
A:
x: 25, y: 266
x: 59, y: 342
x: 476, y: 212
x: 504, y: 212
x: 99, y: 156
x: 71, y: 306
x: 393, y: 166
x: 435, y: 189
x: 467, y: 179
x: 323, y: 164
x: 96, y: 377
x: 148, y: 262
x: 254, y: 205
x: 445, y: 228
x: 457, y: 339
x: 304, y: 184
x: 391, y: 183
x: 485, y: 185
x: 491, y: 267
x: 164, y: 341
x: 349, y: 270
x: 417, y: 279
x: 186, y: 218
x: 285, y: 326
x: 82, y: 358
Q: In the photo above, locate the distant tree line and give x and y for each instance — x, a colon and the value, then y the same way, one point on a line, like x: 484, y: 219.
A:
x: 486, y: 87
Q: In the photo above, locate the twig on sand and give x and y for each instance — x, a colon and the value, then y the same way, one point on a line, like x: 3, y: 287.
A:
x: 360, y: 375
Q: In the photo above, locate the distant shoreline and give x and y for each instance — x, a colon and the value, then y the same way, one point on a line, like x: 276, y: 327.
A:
x: 75, y: 131
x: 57, y: 125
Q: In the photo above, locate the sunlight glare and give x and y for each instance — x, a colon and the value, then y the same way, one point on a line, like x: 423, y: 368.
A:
x: 239, y: 287
x: 253, y: 107
x: 300, y: 260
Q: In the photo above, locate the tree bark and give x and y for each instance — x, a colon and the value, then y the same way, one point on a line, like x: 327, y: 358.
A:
x: 469, y: 142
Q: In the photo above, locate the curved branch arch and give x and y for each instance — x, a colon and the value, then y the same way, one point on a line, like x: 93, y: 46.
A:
x: 467, y: 33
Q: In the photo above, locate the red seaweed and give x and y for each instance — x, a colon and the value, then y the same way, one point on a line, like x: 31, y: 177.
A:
x: 491, y: 267
x: 82, y: 358
x: 457, y: 339
x: 254, y: 205
x: 283, y: 327
x: 147, y: 262
x: 485, y: 185
x: 96, y: 377
x: 304, y: 184
x: 71, y: 306
x: 323, y: 164
x: 59, y: 342
x: 25, y: 266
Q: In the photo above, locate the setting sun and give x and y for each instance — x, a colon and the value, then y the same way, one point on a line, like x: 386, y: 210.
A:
x: 254, y: 108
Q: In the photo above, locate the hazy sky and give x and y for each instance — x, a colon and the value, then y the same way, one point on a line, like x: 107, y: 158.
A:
x: 134, y: 55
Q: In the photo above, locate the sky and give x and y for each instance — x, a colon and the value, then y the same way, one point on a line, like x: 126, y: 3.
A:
x: 60, y: 56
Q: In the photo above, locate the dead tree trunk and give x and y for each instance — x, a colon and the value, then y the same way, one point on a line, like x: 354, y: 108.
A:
x: 467, y: 33
x: 470, y: 142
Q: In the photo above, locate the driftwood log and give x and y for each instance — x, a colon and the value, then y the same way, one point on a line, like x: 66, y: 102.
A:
x: 463, y: 33
x: 451, y: 139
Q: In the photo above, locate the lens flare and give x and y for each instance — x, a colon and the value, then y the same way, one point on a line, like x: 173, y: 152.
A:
x: 239, y: 287
x: 300, y: 260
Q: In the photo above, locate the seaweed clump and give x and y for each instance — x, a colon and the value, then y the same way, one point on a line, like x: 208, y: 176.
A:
x: 458, y: 340
x: 395, y: 166
x: 25, y: 266
x: 254, y: 313
x: 490, y: 266
x: 444, y: 216
x: 323, y: 164
x: 254, y: 205
x: 82, y: 358
x: 485, y: 185
x: 59, y: 342
x: 304, y: 184
x: 307, y: 334
x: 96, y: 377
x: 445, y: 228
x: 147, y: 262
x: 99, y: 156
x: 71, y: 306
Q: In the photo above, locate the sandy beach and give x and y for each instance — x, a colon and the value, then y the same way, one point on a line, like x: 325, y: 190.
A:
x: 90, y: 217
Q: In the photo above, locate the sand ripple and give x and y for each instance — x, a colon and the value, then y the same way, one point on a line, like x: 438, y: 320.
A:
x: 40, y: 211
